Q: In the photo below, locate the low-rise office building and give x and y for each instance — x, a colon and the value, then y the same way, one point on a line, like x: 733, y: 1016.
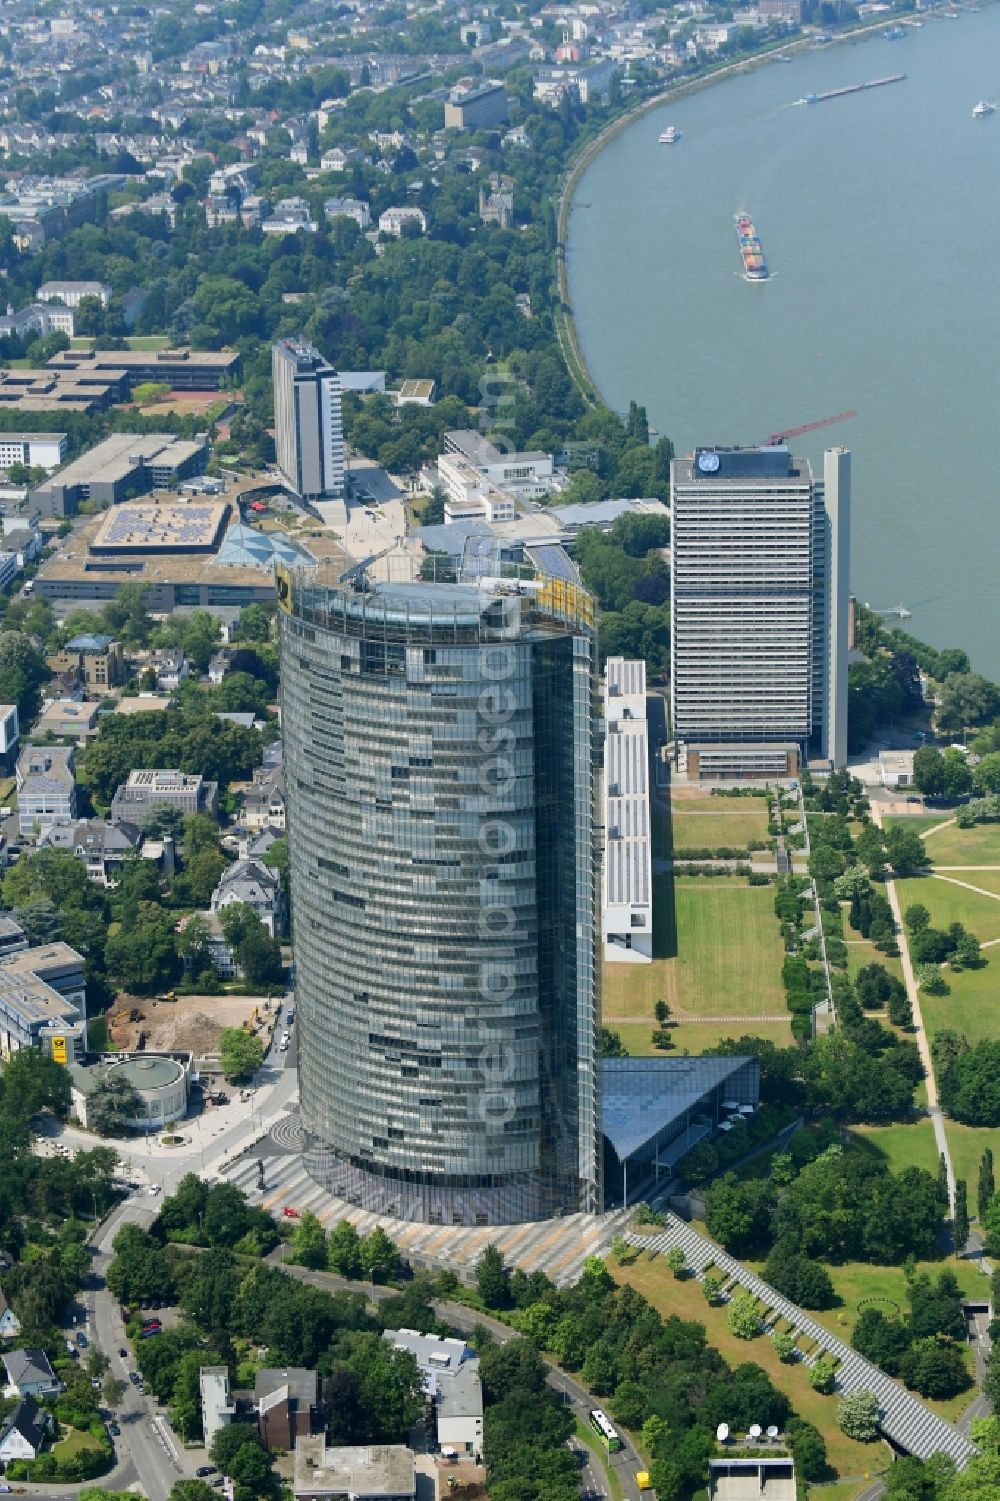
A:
x: 627, y: 889
x: 122, y: 463
x: 68, y: 719
x: 527, y: 475
x: 160, y: 1082
x: 762, y: 1477
x: 46, y: 787
x: 62, y: 390
x: 147, y: 790
x: 369, y: 1472
x: 181, y: 369
x: 168, y: 545
x: 35, y: 450
x: 43, y: 1001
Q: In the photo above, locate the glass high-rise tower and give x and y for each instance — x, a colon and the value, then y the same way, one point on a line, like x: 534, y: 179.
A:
x: 439, y: 768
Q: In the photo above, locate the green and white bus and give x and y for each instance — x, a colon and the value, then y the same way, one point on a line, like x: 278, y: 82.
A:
x: 602, y: 1426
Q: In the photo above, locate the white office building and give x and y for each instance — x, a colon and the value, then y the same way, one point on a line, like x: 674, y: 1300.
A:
x: 627, y: 889
x: 308, y: 427
x: 760, y: 550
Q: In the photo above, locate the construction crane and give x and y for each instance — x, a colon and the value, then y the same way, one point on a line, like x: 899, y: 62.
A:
x: 808, y: 427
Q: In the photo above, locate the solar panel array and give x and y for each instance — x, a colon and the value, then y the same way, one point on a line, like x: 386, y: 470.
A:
x: 160, y: 526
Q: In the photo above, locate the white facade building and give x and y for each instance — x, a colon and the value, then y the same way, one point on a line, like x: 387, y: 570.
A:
x: 217, y: 1409
x: 759, y: 583
x: 627, y: 889
x: 37, y: 450
x: 72, y: 293
x: 394, y: 219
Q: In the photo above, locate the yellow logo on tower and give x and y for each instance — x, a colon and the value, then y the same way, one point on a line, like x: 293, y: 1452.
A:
x: 59, y: 1050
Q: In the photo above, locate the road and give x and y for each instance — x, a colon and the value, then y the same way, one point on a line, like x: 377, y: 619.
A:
x: 147, y: 1451
x: 625, y: 1463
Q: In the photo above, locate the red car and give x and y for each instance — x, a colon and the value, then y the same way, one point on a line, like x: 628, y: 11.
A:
x: 290, y: 1213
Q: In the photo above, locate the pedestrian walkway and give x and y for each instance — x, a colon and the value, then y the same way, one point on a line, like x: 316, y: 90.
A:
x: 919, y: 1030
x: 557, y: 1247
x: 903, y: 1418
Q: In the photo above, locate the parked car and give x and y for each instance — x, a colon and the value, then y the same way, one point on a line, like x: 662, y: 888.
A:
x: 123, y: 1352
x: 153, y: 1323
x: 290, y: 1213
x: 154, y: 1189
x: 135, y: 1378
x: 81, y: 1340
x: 205, y: 1470
x: 114, y: 1429
x: 148, y: 1333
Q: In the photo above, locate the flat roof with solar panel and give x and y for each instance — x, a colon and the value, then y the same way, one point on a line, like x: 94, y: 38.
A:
x: 162, y: 526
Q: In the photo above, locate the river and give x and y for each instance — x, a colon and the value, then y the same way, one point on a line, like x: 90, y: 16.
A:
x: 879, y: 215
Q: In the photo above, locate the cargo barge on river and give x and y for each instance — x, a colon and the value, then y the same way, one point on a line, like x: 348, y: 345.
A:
x: 751, y: 251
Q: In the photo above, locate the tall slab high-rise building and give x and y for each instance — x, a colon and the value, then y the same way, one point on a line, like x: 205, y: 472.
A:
x: 760, y: 557
x: 308, y: 426
x: 439, y: 764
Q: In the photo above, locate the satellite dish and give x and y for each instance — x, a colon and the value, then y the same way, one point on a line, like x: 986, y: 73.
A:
x: 755, y: 1430
x: 772, y: 1432
x: 722, y: 1432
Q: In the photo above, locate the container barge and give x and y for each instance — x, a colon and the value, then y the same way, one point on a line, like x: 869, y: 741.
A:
x: 751, y: 251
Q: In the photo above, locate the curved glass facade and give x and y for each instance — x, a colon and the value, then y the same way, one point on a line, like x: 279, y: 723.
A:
x: 440, y: 795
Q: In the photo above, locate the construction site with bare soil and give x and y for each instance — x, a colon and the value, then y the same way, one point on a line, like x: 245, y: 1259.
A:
x: 188, y: 1023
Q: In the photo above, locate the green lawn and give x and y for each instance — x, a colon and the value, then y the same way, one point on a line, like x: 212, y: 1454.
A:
x: 74, y: 1442
x: 730, y: 828
x: 694, y: 1037
x: 148, y: 341
x: 955, y: 846
x: 719, y: 953
x: 686, y: 1300
x: 967, y: 1144
x: 907, y: 1145
x: 948, y: 903
x: 971, y: 1005
x: 986, y: 880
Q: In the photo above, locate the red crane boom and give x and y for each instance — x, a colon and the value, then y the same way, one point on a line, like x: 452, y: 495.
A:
x: 807, y: 427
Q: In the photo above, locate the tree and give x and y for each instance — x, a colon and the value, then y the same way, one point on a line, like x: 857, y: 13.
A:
x: 343, y: 1250
x: 493, y: 1278
x: 905, y: 850
x: 255, y: 951
x: 916, y: 917
x: 237, y: 1451
x: 240, y: 1053
x: 857, y: 1416
x: 967, y: 954
x: 784, y: 1345
x: 712, y: 1285
x: 965, y: 699
x: 192, y: 1490
x: 986, y: 774
x: 743, y: 1316
x: 379, y: 1254
x: 935, y: 1368
x: 662, y: 1012
x: 113, y: 1104
x: 960, y: 1223
x: 676, y: 1261
x: 986, y: 1186
x: 822, y: 1376
x: 142, y: 957
x: 739, y: 1213
x: 309, y: 1242
x: 611, y: 1045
